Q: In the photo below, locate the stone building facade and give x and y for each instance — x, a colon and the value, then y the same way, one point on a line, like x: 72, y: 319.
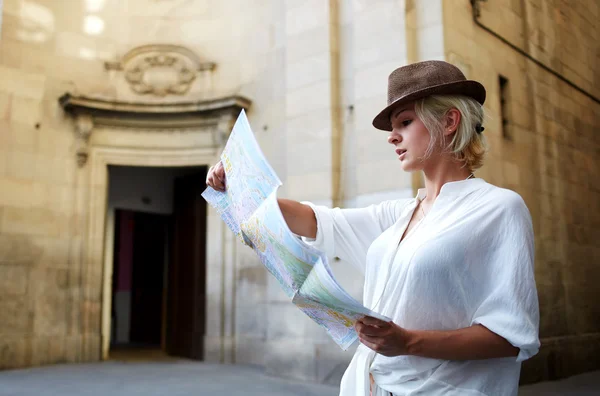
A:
x: 90, y: 85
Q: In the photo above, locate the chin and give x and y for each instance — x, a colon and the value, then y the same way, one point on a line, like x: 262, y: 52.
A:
x: 407, y: 166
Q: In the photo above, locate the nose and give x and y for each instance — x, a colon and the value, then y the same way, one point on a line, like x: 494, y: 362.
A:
x: 394, y: 138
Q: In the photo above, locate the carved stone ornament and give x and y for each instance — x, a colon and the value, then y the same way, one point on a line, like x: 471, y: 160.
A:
x: 160, y: 69
x: 215, y: 116
x: 84, y: 124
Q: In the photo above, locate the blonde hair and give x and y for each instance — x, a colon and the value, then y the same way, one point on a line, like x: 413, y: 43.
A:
x: 467, y: 146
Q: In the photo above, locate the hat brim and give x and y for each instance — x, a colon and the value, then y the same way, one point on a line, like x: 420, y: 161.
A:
x: 469, y: 88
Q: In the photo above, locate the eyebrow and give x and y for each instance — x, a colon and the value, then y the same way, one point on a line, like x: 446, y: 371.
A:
x: 396, y: 114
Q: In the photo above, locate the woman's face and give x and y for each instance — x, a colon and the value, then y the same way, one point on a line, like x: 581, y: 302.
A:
x: 410, y: 137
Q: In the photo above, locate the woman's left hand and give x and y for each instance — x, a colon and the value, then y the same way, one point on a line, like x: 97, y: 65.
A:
x: 385, y: 338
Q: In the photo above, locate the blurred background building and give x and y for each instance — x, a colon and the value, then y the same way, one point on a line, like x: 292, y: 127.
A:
x: 111, y: 112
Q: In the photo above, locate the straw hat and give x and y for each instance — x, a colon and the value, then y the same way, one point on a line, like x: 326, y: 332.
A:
x: 418, y: 80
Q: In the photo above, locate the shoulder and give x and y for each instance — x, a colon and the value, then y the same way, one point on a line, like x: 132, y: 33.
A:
x: 505, y: 202
x: 502, y: 197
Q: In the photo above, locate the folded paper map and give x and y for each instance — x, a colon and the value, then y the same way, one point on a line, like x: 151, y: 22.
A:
x: 249, y: 208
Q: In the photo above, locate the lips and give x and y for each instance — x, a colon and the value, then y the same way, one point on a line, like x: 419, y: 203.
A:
x: 400, y: 151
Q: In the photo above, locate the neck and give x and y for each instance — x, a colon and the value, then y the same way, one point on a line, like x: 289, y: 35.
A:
x: 436, y: 177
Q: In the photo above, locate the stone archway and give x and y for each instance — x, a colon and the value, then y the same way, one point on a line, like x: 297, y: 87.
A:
x: 169, y: 135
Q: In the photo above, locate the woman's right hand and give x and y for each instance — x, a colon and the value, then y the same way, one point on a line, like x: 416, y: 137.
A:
x: 216, y: 177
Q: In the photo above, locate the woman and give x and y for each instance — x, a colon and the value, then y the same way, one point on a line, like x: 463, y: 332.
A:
x: 452, y: 267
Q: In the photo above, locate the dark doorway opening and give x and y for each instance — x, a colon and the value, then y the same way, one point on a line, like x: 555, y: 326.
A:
x: 159, y: 269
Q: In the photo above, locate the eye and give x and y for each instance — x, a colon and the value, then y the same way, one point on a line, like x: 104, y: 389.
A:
x: 406, y: 122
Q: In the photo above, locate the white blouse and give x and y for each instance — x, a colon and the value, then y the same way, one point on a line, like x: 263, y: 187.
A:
x: 469, y: 261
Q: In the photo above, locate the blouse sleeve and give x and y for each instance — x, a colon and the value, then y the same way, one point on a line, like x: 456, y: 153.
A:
x: 507, y: 297
x: 348, y: 233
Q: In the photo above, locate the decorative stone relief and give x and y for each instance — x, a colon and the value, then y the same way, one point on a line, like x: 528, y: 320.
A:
x: 213, y: 116
x: 160, y: 69
x: 84, y: 124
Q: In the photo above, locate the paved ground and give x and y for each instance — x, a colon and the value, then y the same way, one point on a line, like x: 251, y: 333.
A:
x: 150, y: 379
x: 181, y: 378
x: 587, y: 384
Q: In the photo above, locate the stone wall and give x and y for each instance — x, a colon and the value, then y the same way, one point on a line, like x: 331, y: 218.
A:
x: 548, y: 153
x: 49, y: 298
x: 42, y: 212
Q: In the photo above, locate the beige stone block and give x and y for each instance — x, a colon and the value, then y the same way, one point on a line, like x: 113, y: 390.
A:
x: 85, y: 48
x: 21, y: 193
x: 73, y: 348
x: 32, y: 221
x: 59, y: 170
x: 286, y: 321
x: 251, y: 71
x: 18, y: 249
x: 331, y: 362
x: 21, y: 83
x: 366, y: 109
x: 250, y: 350
x: 22, y: 136
x: 57, y: 349
x: 5, y: 106
x: 369, y: 176
x: 15, y: 315
x: 14, y: 351
x: 60, y: 197
x: 430, y: 12
x: 25, y: 110
x: 430, y: 45
x: 213, y: 349
x: 309, y: 157
x: 20, y: 165
x: 50, y: 309
x: 549, y: 228
x: 308, y: 99
x: 251, y: 315
x: 91, y: 347
x: 306, y: 16
x: 14, y: 280
x: 176, y: 9
x: 373, y: 144
x: 372, y: 82
x: 579, y: 354
x: 309, y: 186
x: 263, y: 39
x: 12, y: 7
x: 94, y: 285
x: 511, y: 173
x: 40, y: 350
x: 378, y: 49
x: 309, y: 43
x: 27, y: 56
x: 279, y: 361
x: 380, y: 17
x: 59, y: 142
x: 308, y: 71
x: 460, y: 45
x: 49, y: 249
x: 3, y: 156
x: 312, y: 126
x: 81, y: 200
x: 582, y: 312
x: 486, y: 172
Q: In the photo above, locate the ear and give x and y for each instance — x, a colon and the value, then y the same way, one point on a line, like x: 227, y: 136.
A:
x: 452, y: 120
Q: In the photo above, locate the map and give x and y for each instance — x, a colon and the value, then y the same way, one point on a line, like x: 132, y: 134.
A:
x: 250, y: 178
x: 250, y: 209
x: 284, y: 255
